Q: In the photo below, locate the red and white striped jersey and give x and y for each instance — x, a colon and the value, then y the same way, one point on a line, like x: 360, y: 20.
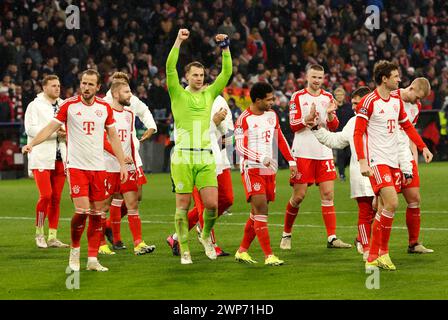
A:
x: 85, y: 126
x: 305, y: 144
x: 384, y: 117
x: 124, y: 124
x: 256, y: 138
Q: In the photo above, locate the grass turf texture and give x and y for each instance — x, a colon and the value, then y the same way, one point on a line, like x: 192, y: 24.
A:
x: 311, y: 271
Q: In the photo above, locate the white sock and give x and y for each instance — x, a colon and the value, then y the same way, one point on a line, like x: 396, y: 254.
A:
x: 92, y: 259
x: 330, y: 238
x: 285, y: 234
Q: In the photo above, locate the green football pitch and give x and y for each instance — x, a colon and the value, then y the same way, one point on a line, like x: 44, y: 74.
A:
x: 311, y: 271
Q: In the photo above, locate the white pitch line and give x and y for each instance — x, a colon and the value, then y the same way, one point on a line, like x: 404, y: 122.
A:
x: 237, y: 224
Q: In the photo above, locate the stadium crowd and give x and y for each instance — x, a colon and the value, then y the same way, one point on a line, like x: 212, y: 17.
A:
x: 270, y: 41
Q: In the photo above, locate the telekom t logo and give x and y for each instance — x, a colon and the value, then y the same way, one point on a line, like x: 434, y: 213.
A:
x: 266, y: 136
x: 88, y: 127
x: 122, y: 134
x: 391, y: 125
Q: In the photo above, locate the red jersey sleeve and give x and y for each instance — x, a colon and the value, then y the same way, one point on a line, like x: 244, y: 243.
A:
x: 61, y: 116
x: 413, y: 134
x: 107, y: 145
x: 283, y: 144
x: 110, y: 121
x: 402, y: 116
x: 295, y: 114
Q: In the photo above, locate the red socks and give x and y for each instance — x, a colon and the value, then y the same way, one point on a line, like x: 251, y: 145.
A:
x: 365, y: 217
x: 78, y: 224
x: 329, y: 216
x: 193, y: 218
x: 262, y: 232
x: 94, y: 232
x: 103, y: 227
x: 249, y: 234
x: 115, y: 218
x: 381, y: 227
x: 413, y: 222
x: 135, y: 225
x: 290, y: 216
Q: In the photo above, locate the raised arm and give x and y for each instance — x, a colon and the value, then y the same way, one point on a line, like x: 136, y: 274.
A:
x: 172, y: 78
x: 226, y: 69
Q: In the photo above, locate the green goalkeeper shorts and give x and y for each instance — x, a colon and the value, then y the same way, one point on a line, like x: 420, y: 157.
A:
x: 191, y: 168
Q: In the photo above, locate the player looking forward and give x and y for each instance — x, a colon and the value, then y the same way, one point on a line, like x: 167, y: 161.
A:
x: 192, y: 162
x: 86, y: 116
x: 314, y: 160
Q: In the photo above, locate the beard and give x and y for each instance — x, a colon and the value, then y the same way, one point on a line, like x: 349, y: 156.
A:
x: 124, y: 103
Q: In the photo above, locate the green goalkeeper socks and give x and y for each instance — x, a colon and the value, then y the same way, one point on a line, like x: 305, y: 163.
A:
x: 210, y: 217
x: 181, y: 225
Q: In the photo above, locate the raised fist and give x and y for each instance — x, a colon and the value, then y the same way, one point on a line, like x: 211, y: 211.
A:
x: 183, y: 34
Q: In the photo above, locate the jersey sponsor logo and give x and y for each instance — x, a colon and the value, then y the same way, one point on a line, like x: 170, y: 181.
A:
x: 391, y: 125
x: 75, y: 189
x: 257, y: 186
x: 266, y: 136
x: 387, y: 178
x: 122, y: 134
x: 88, y: 127
x: 99, y: 113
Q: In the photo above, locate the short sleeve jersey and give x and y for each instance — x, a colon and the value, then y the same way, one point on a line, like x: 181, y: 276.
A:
x: 384, y: 118
x: 85, y: 126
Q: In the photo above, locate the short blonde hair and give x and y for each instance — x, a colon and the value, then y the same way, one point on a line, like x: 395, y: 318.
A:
x: 120, y: 76
x: 423, y: 85
x: 117, y: 84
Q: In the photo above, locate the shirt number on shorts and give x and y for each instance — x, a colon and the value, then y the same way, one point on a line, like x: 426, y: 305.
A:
x: 132, y: 175
x: 330, y: 166
x: 398, y: 178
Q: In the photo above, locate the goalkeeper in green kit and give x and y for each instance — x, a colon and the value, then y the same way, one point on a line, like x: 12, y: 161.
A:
x: 192, y: 162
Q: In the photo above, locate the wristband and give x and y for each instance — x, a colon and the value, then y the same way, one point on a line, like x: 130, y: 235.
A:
x: 224, y: 43
x: 408, y: 176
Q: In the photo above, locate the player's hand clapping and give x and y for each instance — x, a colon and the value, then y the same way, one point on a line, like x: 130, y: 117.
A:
x: 311, y: 118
